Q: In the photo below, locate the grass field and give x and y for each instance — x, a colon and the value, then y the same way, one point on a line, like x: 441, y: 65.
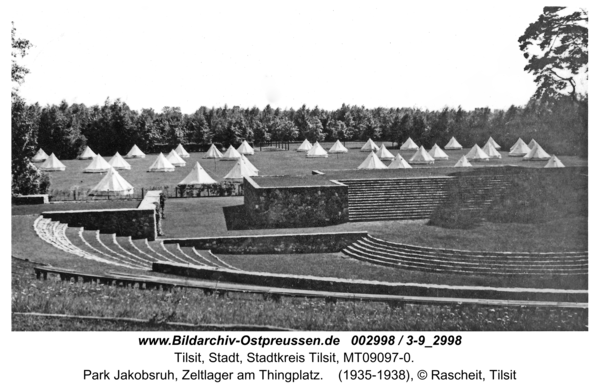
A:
x: 268, y: 163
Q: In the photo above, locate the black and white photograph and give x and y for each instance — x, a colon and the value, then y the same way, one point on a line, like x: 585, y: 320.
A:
x: 390, y: 173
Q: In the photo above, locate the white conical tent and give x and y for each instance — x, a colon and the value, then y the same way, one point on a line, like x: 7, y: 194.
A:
x: 161, y: 164
x: 372, y: 162
x: 532, y: 143
x: 197, y: 176
x: 491, y: 151
x: 477, y: 154
x: 453, y: 145
x: 40, y: 156
x: 520, y: 149
x: 118, y: 162
x: 52, y: 164
x: 316, y: 151
x: 409, y: 145
x: 437, y: 153
x: 180, y: 150
x: 239, y: 170
x: 245, y: 148
x: 384, y: 155
x: 98, y: 165
x: 231, y: 154
x: 494, y: 143
x: 338, y: 148
x: 213, y: 152
x: 554, y: 162
x: 519, y: 142
x: 463, y: 162
x: 304, y: 147
x: 87, y: 154
x: 369, y: 146
x: 536, y: 154
x: 249, y: 164
x: 175, y: 159
x: 399, y: 163
x: 421, y: 157
x: 135, y: 152
x: 112, y: 184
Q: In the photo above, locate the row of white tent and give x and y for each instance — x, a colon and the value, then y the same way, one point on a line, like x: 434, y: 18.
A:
x: 114, y: 184
x: 173, y: 159
x: 135, y: 152
x: 421, y: 156
x: 317, y: 150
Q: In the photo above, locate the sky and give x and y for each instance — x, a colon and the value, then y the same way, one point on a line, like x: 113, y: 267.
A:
x: 191, y: 54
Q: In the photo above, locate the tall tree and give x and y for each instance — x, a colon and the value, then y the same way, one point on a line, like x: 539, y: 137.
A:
x: 26, y: 177
x: 556, y: 47
x: 19, y: 49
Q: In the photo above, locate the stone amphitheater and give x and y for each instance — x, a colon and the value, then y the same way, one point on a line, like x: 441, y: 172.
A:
x: 149, y: 262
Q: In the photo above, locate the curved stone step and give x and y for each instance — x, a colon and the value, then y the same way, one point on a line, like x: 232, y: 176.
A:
x: 494, y: 264
x: 109, y: 243
x: 392, y: 244
x: 448, y: 268
x: 127, y: 244
x: 91, y: 240
x: 189, y: 252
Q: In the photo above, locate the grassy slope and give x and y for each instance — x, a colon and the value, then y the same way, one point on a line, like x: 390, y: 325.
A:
x: 192, y: 306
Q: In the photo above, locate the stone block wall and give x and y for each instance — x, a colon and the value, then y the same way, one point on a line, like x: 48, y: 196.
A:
x: 513, y: 195
x: 293, y: 207
x: 30, y: 199
x: 137, y: 223
x: 273, y: 244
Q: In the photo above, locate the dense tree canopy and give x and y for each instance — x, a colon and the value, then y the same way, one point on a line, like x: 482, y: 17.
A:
x: 66, y: 130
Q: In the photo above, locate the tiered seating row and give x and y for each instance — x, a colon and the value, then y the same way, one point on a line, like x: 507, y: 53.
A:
x: 416, y: 258
x: 123, y: 251
x: 54, y: 233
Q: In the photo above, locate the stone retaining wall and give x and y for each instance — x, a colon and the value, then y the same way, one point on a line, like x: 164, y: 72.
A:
x: 273, y: 244
x: 30, y: 199
x: 515, y: 195
x: 293, y: 207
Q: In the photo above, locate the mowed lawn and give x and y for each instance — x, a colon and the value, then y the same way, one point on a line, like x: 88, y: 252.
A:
x: 268, y: 162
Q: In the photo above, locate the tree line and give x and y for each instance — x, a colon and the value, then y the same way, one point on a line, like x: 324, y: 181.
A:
x: 559, y: 125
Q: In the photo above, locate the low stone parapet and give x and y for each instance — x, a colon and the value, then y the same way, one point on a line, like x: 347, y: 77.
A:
x: 273, y: 244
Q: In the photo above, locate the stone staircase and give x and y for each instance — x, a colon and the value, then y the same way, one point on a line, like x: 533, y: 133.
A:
x: 416, y: 258
x: 396, y: 198
x: 123, y: 251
